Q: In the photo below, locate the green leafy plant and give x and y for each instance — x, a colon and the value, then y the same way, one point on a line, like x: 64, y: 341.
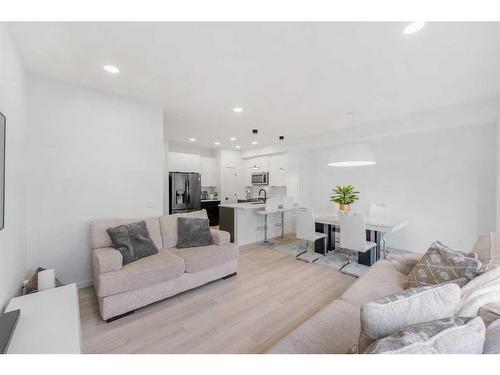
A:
x: 344, y: 195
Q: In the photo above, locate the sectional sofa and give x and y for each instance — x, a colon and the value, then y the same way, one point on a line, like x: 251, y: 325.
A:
x: 336, y: 328
x: 122, y: 289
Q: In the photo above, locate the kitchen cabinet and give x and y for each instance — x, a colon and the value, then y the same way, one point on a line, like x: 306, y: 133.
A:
x: 181, y: 162
x: 208, y: 171
x: 278, y: 170
x: 254, y: 165
x: 212, y: 208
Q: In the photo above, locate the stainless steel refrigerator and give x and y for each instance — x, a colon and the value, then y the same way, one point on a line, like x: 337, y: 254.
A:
x: 185, y: 192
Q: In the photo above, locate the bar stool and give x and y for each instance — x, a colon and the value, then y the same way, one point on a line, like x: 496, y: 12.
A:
x: 271, y: 208
x: 286, y: 205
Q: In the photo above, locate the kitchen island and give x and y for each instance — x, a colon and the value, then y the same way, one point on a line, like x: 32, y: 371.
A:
x: 246, y: 226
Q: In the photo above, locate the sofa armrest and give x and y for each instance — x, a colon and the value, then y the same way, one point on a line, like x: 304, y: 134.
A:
x: 220, y: 237
x: 406, y: 263
x: 106, y: 259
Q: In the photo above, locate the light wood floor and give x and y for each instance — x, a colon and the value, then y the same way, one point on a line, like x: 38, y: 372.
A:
x: 271, y: 295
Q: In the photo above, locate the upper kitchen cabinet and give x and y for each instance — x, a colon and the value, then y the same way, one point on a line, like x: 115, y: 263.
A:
x: 181, y: 162
x: 278, y: 169
x: 255, y: 165
x: 208, y: 171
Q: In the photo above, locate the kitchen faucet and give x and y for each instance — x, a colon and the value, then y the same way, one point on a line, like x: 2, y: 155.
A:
x: 265, y: 194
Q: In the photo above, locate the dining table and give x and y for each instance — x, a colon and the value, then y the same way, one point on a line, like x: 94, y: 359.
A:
x: 377, y: 229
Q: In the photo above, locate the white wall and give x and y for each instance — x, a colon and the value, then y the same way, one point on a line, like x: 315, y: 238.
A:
x: 443, y: 182
x: 91, y: 155
x: 12, y: 105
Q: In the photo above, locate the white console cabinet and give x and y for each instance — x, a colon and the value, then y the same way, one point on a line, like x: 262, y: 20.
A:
x: 49, y: 322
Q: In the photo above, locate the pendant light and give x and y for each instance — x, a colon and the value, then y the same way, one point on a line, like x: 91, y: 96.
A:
x: 352, y: 154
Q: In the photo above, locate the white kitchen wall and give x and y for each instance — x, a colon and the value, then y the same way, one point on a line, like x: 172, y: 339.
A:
x: 13, y: 236
x: 443, y: 182
x: 91, y: 155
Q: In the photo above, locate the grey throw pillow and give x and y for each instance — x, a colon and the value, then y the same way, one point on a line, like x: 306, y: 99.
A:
x: 132, y: 241
x: 440, y: 264
x: 454, y: 335
x: 193, y: 232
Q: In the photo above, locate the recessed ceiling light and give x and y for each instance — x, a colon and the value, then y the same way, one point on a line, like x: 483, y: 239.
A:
x: 255, y: 142
x: 238, y: 146
x: 216, y: 143
x: 238, y: 109
x: 414, y: 27
x: 111, y: 69
x: 232, y: 139
x: 192, y: 139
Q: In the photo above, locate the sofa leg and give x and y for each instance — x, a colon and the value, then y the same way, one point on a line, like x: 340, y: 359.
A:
x: 228, y: 276
x: 119, y: 316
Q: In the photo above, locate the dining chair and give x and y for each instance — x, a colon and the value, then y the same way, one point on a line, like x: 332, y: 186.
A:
x: 306, y: 230
x: 381, y: 211
x: 353, y: 234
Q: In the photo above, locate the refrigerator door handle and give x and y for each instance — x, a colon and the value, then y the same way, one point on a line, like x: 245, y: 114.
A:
x: 187, y: 192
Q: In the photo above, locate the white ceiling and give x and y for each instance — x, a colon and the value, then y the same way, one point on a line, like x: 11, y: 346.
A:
x: 293, y: 79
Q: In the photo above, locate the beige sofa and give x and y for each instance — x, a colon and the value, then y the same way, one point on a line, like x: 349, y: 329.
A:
x: 336, y: 328
x: 121, y: 289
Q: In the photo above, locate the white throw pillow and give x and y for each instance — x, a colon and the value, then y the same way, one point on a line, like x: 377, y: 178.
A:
x: 453, y: 335
x: 412, y: 306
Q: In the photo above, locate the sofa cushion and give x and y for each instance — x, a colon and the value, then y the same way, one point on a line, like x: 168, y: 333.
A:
x: 489, y: 313
x: 492, y: 341
x: 381, y: 280
x: 201, y: 258
x: 220, y: 237
x: 168, y: 225
x: 145, y: 272
x: 100, y: 238
x: 132, y: 241
x: 487, y: 248
x: 192, y: 232
x: 440, y: 264
x: 483, y: 290
x: 453, y: 335
x: 334, y: 329
x: 417, y: 305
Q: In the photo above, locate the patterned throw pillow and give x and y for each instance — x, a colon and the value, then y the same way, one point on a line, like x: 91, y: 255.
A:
x: 440, y: 264
x: 454, y: 335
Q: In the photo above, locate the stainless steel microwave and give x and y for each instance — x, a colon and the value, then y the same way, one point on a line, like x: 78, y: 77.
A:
x: 261, y: 178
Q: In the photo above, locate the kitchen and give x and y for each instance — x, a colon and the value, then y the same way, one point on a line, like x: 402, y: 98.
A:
x: 231, y: 188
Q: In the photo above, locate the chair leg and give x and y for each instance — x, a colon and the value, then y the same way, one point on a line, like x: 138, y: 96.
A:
x: 348, y: 261
x: 303, y: 252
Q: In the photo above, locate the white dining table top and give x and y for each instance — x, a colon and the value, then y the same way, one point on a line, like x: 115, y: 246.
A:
x: 372, y: 223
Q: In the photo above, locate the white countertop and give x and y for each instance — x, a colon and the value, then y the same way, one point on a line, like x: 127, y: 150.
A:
x: 243, y: 206
x: 210, y: 200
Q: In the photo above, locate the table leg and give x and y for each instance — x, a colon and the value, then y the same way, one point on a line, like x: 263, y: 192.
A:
x: 332, y: 236
x: 327, y: 230
x: 282, y: 224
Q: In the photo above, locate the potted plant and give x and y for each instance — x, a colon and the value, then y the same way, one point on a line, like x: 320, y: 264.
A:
x: 344, y: 196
